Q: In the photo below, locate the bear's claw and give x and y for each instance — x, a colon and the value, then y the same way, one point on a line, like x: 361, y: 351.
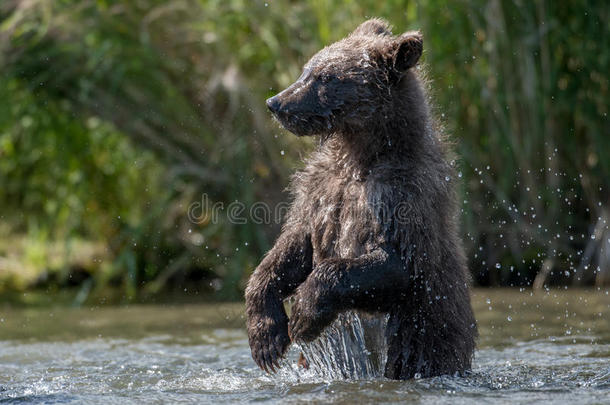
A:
x: 268, y: 342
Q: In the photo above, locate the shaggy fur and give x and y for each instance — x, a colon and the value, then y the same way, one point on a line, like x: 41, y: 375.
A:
x: 373, y: 224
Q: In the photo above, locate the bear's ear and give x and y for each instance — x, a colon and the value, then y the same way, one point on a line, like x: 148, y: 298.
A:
x: 374, y: 26
x: 407, y: 49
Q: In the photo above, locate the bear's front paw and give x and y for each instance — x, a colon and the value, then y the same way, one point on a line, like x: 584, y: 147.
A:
x: 268, y: 338
x: 311, y: 313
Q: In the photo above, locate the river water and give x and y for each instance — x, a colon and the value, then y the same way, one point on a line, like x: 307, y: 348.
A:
x: 550, y: 346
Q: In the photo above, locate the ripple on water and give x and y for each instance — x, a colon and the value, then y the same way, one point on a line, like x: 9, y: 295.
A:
x: 214, y: 365
x: 119, y: 370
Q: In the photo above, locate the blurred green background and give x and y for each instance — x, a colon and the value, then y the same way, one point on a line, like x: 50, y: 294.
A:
x: 117, y: 116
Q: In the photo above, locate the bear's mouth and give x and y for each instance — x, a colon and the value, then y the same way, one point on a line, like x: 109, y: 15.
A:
x: 304, y: 126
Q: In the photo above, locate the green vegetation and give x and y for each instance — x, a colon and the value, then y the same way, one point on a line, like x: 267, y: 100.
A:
x: 117, y: 116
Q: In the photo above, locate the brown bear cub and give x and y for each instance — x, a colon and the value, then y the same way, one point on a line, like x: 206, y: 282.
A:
x: 373, y: 224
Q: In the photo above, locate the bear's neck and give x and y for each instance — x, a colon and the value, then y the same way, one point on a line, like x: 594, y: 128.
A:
x: 405, y: 136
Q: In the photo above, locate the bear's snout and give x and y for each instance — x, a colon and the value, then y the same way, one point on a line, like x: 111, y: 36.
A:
x: 273, y: 104
x: 298, y: 108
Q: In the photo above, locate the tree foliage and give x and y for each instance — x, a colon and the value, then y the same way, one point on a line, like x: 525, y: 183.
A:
x: 118, y: 116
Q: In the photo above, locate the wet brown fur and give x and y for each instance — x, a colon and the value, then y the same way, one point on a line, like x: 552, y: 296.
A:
x: 373, y: 222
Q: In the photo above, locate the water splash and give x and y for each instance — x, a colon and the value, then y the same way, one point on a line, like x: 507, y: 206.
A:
x: 192, y: 354
x: 353, y: 347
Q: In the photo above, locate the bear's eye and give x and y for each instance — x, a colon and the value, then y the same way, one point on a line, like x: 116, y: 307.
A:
x: 325, y: 78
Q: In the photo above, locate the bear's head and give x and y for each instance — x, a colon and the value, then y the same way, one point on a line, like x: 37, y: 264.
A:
x: 349, y: 84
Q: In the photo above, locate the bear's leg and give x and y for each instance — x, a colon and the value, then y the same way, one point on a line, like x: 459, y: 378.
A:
x: 372, y: 283
x: 285, y: 267
x: 433, y: 333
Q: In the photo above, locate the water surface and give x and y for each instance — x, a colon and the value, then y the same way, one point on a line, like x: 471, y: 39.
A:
x: 550, y: 346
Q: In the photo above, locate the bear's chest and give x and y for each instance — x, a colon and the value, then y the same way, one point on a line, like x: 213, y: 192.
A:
x: 342, y: 218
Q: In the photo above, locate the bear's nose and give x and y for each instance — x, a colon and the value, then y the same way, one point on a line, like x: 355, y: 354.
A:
x: 273, y: 104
